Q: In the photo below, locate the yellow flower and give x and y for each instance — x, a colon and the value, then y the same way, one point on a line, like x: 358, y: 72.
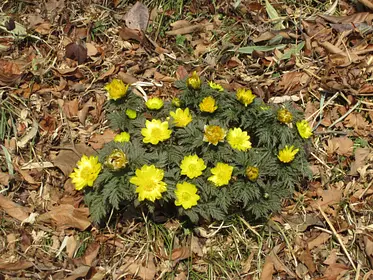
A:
x: 149, y: 183
x: 287, y: 154
x: 222, y: 174
x: 186, y: 195
x: 122, y: 137
x: 192, y: 166
x: 176, y: 102
x: 245, y: 96
x: 116, y: 89
x: 86, y: 173
x: 216, y: 86
x: 154, y: 103
x: 208, y: 105
x: 214, y: 134
x: 252, y: 173
x: 304, y: 129
x: 284, y: 116
x: 132, y: 114
x: 155, y: 132
x: 239, y: 139
x: 181, y: 117
x: 116, y: 160
x: 194, y: 82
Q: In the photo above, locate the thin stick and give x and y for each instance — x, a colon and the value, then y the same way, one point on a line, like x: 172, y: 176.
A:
x: 338, y: 238
x: 345, y: 115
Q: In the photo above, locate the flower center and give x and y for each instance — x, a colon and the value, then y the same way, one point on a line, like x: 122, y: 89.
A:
x: 185, y: 196
x: 156, y: 131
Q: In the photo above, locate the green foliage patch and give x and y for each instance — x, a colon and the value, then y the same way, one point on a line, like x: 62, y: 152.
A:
x: 207, y: 154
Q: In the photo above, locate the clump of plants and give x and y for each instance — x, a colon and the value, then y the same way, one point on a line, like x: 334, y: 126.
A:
x: 207, y: 154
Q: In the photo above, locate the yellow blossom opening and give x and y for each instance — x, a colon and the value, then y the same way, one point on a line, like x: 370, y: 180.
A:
x: 155, y: 132
x: 214, y: 134
x: 131, y: 114
x: 216, y: 86
x: 222, y: 173
x: 252, y: 173
x: 154, y: 103
x: 181, y: 117
x: 116, y: 89
x: 284, y: 116
x: 304, y: 129
x: 116, y: 160
x: 192, y: 166
x: 122, y: 137
x: 194, y: 82
x: 239, y: 139
x: 186, y: 195
x: 245, y: 96
x: 287, y: 154
x: 86, y: 172
x: 149, y: 183
x: 208, y: 105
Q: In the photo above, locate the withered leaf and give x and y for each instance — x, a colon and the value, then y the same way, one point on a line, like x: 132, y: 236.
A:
x: 13, y: 209
x: 76, y: 52
x: 67, y: 216
x: 19, y: 265
x: 137, y: 17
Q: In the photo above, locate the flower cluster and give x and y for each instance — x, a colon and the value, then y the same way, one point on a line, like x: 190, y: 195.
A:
x: 206, y: 152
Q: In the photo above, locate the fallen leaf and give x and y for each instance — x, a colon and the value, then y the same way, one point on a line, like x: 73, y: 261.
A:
x: 307, y: 259
x: 179, y: 254
x: 19, y: 265
x: 343, y: 146
x: 10, y: 72
x: 195, y: 246
x: 71, y: 108
x: 67, y: 216
x: 319, y: 240
x: 90, y: 254
x: 327, y: 198
x: 335, y: 271
x: 137, y: 17
x: 79, y: 273
x: 4, y: 178
x: 99, y: 140
x: 145, y: 270
x: 71, y: 245
x: 361, y: 156
x: 13, y: 209
x: 368, y: 241
x: 268, y: 269
x: 131, y: 34
x: 76, y: 52
x: 91, y: 49
x: 67, y: 158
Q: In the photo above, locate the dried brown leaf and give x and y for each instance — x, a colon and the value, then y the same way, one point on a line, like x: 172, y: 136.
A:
x: 4, y: 178
x: 71, y: 245
x: 368, y: 241
x: 13, y: 209
x: 99, y: 140
x: 268, y: 269
x: 343, y: 146
x: 67, y: 216
x: 179, y: 254
x: 19, y: 265
x: 335, y: 271
x: 145, y: 270
x: 361, y: 156
x: 76, y: 52
x: 319, y: 240
x: 71, y: 108
x: 90, y: 254
x: 137, y: 17
x: 131, y: 34
x: 307, y: 259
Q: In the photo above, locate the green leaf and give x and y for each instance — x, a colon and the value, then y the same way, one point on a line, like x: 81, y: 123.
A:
x: 272, y: 13
x: 295, y: 49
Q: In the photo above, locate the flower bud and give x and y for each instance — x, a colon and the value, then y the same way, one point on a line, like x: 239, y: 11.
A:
x: 252, y: 173
x: 116, y: 160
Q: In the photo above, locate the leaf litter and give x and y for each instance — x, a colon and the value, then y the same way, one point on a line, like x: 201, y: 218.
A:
x: 319, y: 58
